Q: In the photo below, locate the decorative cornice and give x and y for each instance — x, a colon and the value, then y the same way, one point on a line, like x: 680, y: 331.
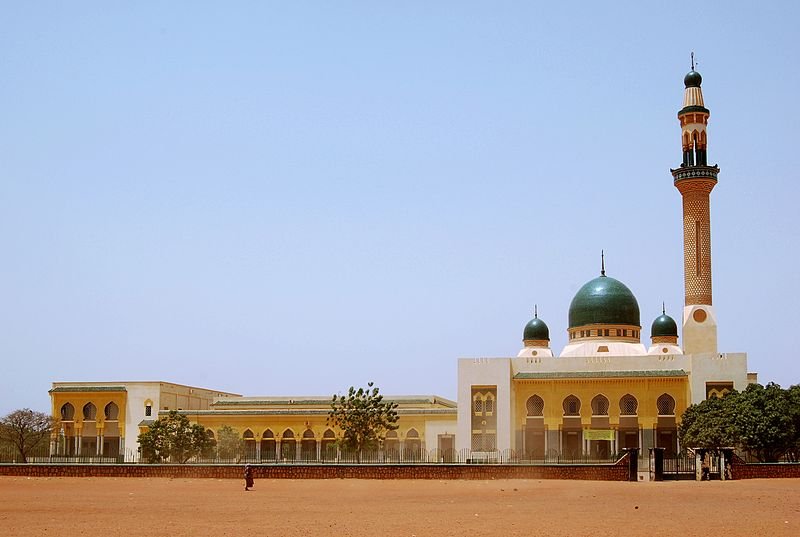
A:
x: 695, y: 172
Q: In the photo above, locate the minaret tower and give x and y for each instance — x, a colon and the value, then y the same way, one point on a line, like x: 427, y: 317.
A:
x: 695, y: 179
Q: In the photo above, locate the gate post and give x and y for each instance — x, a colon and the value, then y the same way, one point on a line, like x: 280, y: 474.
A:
x: 633, y: 463
x: 657, y: 456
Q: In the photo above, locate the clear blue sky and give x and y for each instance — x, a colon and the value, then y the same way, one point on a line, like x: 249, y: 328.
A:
x: 290, y: 198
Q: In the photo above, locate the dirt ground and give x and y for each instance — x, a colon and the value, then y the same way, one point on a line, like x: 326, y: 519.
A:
x: 210, y: 507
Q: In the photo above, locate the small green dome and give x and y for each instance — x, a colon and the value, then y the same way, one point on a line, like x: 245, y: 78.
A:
x: 692, y: 79
x: 664, y: 325
x: 604, y: 300
x: 536, y: 329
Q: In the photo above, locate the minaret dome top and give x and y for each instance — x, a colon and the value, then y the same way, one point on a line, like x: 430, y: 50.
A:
x: 692, y: 79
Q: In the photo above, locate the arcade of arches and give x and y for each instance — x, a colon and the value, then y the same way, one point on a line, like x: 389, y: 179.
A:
x: 90, y: 425
x: 597, y: 419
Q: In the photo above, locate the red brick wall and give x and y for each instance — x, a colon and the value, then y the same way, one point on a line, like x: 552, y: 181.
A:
x: 765, y: 470
x: 605, y: 472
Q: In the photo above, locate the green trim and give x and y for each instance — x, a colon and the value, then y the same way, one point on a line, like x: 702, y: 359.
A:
x: 326, y: 402
x: 88, y: 389
x: 601, y: 374
x: 307, y: 412
x: 693, y: 108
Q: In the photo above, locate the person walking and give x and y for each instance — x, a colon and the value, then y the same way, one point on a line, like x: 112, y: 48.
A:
x: 248, y: 477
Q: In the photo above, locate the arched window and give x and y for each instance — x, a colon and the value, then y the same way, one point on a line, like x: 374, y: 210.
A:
x: 330, y: 434
x: 600, y: 405
x: 488, y: 405
x: 665, y: 405
x: 288, y: 434
x: 148, y: 408
x: 535, y: 406
x: 111, y: 411
x: 628, y: 405
x: 89, y: 412
x: 308, y: 434
x: 267, y: 434
x: 210, y: 435
x: 67, y: 412
x: 572, y: 406
x: 412, y: 433
x: 248, y: 435
x: 477, y: 405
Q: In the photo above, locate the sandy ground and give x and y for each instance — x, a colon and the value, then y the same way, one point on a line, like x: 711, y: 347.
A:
x: 209, y: 507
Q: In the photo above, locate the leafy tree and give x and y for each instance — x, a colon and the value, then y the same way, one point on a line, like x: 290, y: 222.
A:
x: 229, y: 443
x: 794, y: 413
x: 762, y: 421
x: 26, y: 430
x: 364, y: 417
x: 174, y: 438
x: 707, y: 424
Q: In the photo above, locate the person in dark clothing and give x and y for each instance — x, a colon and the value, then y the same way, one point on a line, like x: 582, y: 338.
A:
x: 248, y: 477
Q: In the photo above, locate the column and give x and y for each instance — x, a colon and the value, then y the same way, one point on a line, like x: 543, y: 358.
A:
x: 258, y: 448
x: 319, y: 449
x: 298, y: 449
x: 122, y: 447
x: 277, y: 449
x: 100, y: 441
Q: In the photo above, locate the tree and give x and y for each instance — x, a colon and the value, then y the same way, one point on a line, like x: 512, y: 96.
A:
x: 174, y: 438
x: 762, y: 421
x: 707, y: 424
x: 364, y: 417
x: 26, y: 430
x: 794, y: 413
x: 229, y: 443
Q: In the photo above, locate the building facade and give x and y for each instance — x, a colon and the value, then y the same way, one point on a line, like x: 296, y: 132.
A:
x: 605, y: 391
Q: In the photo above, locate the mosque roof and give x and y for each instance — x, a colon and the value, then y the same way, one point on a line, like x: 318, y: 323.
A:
x: 604, y: 300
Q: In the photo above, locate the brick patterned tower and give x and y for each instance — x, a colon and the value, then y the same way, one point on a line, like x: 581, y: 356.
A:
x: 695, y: 180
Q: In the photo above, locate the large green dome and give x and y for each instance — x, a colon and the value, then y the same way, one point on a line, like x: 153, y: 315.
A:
x: 536, y: 329
x: 604, y: 300
x: 664, y: 325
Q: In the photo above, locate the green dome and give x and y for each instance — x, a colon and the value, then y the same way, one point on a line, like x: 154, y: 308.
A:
x: 664, y: 325
x: 604, y: 300
x: 536, y: 329
x: 692, y: 79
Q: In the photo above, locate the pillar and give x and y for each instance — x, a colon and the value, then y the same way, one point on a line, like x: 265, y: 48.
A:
x: 319, y: 449
x: 277, y: 449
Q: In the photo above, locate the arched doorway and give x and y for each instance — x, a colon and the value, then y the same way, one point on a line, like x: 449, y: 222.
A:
x: 308, y: 446
x: 534, y: 428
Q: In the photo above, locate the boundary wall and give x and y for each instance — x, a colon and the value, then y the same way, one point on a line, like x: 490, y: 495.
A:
x: 765, y: 470
x: 594, y: 472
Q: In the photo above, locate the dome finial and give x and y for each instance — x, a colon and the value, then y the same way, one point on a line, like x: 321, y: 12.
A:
x: 663, y: 309
x: 535, y: 311
x: 602, y: 263
x: 692, y: 60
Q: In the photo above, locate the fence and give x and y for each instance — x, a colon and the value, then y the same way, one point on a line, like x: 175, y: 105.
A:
x: 329, y: 457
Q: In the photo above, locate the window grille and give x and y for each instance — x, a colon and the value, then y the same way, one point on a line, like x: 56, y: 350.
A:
x: 600, y: 406
x: 572, y: 406
x: 666, y: 405
x: 535, y: 406
x: 628, y: 405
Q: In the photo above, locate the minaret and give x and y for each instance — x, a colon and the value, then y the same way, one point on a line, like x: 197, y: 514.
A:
x: 695, y: 179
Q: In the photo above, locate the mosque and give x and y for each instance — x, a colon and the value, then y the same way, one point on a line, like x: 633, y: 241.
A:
x: 605, y: 391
